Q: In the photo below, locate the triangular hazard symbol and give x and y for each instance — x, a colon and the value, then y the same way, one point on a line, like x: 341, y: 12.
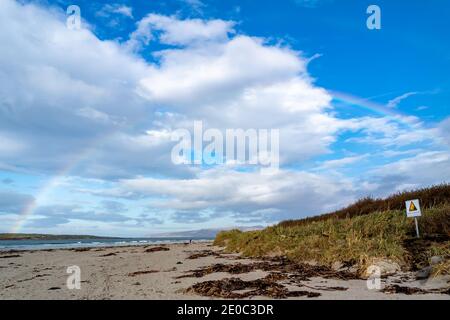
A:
x: 412, y: 207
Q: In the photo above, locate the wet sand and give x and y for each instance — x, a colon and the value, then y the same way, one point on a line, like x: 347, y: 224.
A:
x: 143, y: 272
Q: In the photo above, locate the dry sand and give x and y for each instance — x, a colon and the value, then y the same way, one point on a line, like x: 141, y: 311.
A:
x: 105, y: 274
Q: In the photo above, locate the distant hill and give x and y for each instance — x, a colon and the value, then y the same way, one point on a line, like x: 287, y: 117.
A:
x: 203, y: 233
x: 37, y: 236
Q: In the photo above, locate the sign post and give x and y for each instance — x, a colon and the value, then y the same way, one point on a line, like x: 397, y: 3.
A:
x: 413, y: 211
x: 417, y: 227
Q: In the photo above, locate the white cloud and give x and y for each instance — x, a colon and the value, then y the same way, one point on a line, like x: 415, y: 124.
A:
x: 12, y: 202
x: 242, y: 63
x: 423, y: 169
x: 196, y: 5
x: 330, y: 164
x: 285, y: 193
x: 121, y: 9
x: 396, y: 101
x: 62, y: 91
x: 388, y: 132
x: 9, y: 145
x: 444, y: 131
x: 178, y: 32
x: 126, y: 11
x: 396, y: 153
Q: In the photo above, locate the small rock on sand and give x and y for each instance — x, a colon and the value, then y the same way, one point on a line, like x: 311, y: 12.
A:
x: 424, y: 273
x: 436, y: 260
x: 387, y: 267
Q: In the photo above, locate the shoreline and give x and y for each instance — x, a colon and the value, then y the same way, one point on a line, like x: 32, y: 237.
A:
x: 95, y: 244
x: 181, y: 271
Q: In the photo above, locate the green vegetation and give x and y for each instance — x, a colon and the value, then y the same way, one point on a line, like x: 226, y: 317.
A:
x: 36, y: 236
x: 429, y: 198
x: 357, y: 234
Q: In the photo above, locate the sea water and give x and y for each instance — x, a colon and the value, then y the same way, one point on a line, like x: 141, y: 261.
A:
x: 82, y: 243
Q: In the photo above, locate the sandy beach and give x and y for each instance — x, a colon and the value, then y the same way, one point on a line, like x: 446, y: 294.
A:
x: 165, y: 272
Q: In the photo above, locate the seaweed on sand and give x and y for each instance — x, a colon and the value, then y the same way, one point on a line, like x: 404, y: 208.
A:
x: 413, y: 290
x: 155, y: 249
x: 226, y: 288
x: 203, y: 254
x: 296, y: 271
x: 137, y: 273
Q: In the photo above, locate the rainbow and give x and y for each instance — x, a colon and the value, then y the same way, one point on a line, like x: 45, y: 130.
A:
x: 48, y: 187
x: 375, y: 107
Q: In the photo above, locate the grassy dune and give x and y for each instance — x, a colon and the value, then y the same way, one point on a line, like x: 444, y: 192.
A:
x: 357, y: 234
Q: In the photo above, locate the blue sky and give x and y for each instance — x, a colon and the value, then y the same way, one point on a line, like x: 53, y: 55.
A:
x: 86, y: 115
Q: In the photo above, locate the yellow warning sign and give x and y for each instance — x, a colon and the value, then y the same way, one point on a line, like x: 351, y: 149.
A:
x: 413, y: 208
